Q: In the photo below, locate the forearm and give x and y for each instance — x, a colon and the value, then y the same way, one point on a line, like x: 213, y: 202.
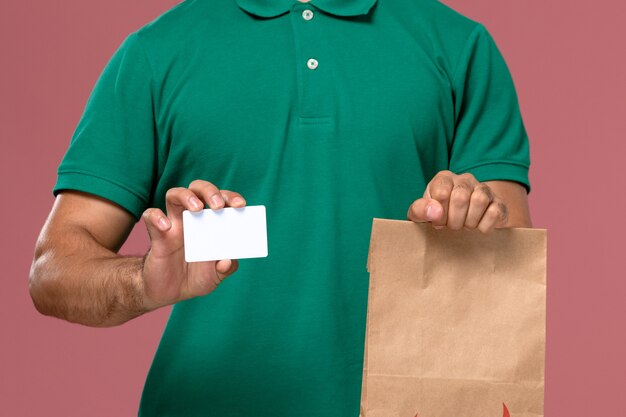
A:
x: 82, y: 282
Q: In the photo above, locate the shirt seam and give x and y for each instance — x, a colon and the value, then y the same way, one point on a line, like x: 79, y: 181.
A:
x: 495, y: 162
x: 115, y: 183
x: 147, y: 58
x: 152, y: 80
x: 156, y: 116
x: 467, y: 45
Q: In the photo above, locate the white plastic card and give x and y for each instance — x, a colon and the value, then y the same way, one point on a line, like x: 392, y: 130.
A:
x: 229, y: 233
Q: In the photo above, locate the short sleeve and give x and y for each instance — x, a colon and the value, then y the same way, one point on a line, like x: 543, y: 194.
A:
x: 490, y: 140
x: 112, y: 151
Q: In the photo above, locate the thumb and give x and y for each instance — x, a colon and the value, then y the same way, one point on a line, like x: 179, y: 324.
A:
x: 425, y: 210
x: 157, y: 224
x: 225, y: 267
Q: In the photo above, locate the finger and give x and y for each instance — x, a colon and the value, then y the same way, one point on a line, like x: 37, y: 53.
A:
x: 496, y: 215
x: 233, y: 199
x: 157, y: 223
x: 179, y: 199
x: 440, y: 188
x: 480, y: 200
x: 208, y: 192
x: 225, y: 268
x: 459, y: 204
x: 425, y: 210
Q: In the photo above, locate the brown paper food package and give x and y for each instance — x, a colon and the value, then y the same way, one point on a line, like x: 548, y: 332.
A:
x: 455, y: 322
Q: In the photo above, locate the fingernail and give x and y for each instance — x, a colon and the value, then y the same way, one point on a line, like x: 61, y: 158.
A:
x: 163, y: 224
x: 216, y: 200
x: 432, y: 212
x: 238, y: 200
x: 195, y: 203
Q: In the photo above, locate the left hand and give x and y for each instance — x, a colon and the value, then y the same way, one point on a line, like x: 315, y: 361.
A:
x: 458, y: 201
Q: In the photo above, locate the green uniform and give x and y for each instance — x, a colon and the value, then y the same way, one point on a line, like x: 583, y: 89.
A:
x: 330, y: 113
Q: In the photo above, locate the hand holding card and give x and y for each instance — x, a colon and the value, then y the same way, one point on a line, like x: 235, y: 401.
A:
x: 166, y: 276
x: 229, y: 233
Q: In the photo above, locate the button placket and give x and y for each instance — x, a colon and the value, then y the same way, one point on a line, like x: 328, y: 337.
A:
x: 307, y: 14
x: 313, y: 76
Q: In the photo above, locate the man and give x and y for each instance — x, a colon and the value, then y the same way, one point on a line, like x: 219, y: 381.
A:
x: 330, y: 113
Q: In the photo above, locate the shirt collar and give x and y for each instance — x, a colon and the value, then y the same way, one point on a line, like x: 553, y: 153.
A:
x: 273, y: 8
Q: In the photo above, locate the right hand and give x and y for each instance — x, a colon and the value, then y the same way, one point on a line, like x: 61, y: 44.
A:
x: 167, y: 278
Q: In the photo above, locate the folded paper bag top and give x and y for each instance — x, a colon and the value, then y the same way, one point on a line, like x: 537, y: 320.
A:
x: 455, y: 322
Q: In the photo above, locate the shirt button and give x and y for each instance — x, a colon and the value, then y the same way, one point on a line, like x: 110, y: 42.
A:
x: 307, y: 14
x: 312, y: 63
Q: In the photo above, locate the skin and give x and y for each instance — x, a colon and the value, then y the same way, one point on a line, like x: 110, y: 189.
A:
x: 460, y: 201
x: 78, y: 276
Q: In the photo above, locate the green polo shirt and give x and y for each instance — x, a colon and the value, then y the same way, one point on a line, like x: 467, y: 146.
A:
x: 330, y: 113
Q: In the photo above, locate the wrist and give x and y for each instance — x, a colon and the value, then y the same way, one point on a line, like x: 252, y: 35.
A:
x: 148, y: 301
x: 124, y: 302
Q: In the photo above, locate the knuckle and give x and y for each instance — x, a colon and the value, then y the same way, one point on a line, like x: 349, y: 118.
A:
x: 469, y: 177
x: 442, y: 178
x: 481, y: 198
x: 483, y: 191
x: 210, y: 188
x: 439, y: 175
x: 493, y: 211
x: 498, y: 211
x: 484, y: 188
x: 202, y: 187
x: 439, y: 194
x: 503, y: 212
x: 445, y: 180
x: 173, y: 192
x: 196, y: 183
x: 460, y: 195
x: 463, y: 188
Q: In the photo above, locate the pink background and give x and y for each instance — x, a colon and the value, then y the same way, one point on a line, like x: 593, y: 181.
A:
x: 568, y: 60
